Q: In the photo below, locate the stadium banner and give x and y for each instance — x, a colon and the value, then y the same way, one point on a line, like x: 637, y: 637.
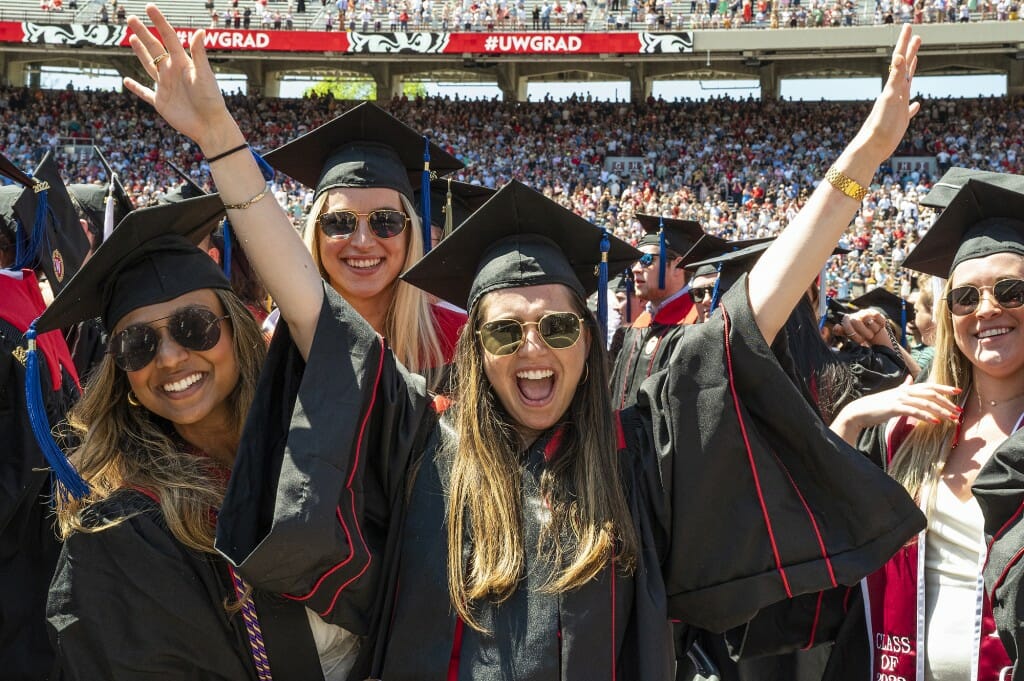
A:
x: 483, y: 43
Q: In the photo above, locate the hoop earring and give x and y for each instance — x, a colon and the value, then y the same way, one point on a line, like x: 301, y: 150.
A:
x: 586, y: 373
x: 133, y: 400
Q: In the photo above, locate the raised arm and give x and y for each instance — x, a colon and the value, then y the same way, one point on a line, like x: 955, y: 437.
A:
x: 783, y: 273
x: 185, y: 93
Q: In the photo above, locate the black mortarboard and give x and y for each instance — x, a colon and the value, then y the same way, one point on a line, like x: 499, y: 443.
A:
x: 465, y: 199
x: 740, y: 258
x: 363, y: 147
x: 982, y: 219
x: 891, y: 305
x: 150, y: 258
x: 680, y: 235
x: 189, y: 189
x: 947, y: 186
x: 518, y: 238
x: 60, y: 247
x: 711, y: 247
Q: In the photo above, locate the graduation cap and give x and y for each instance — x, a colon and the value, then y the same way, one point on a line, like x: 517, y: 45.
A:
x: 187, y: 190
x: 712, y: 247
x: 668, y: 234
x: 943, y: 191
x: 150, y: 258
x: 365, y: 147
x: 980, y: 220
x: 520, y: 238
x: 46, y: 227
x: 92, y: 200
x: 891, y: 305
x: 451, y: 202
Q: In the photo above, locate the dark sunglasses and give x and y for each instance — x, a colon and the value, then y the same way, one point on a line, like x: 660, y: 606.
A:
x: 193, y: 328
x: 1008, y: 293
x: 341, y: 224
x: 647, y: 259
x: 559, y: 330
x: 699, y: 294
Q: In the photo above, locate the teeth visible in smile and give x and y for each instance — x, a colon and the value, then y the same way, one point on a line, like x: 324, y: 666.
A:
x: 183, y: 384
x: 989, y: 333
x: 535, y: 374
x: 364, y: 263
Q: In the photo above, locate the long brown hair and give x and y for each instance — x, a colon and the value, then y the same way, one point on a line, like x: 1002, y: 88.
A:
x: 125, y: 446
x: 919, y: 460
x: 590, y: 519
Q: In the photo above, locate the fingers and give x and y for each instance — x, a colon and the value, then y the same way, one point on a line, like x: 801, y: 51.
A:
x: 148, y: 95
x: 167, y: 33
x: 143, y: 54
x: 144, y: 44
x: 197, y: 46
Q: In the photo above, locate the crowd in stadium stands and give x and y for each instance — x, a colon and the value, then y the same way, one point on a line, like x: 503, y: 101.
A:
x: 569, y: 15
x: 742, y: 168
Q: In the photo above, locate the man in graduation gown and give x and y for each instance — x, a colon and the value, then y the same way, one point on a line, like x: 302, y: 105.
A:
x: 28, y: 541
x: 661, y: 282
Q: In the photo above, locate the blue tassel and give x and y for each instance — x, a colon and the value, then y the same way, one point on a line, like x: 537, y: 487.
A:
x: 821, y: 319
x: 425, y: 195
x: 66, y: 479
x: 225, y: 230
x: 715, y: 292
x: 602, y: 284
x: 27, y: 258
x: 662, y: 253
x: 903, y: 322
x: 265, y: 168
x: 628, y: 278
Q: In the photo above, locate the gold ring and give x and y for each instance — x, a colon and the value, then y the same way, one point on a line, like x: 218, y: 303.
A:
x: 159, y: 58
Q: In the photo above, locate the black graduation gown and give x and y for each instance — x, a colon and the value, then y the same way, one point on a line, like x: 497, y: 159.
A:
x: 28, y: 539
x: 721, y: 482
x: 646, y: 346
x: 999, y: 489
x: 131, y: 602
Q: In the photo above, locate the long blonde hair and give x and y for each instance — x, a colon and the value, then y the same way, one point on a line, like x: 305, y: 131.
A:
x: 919, y: 460
x: 125, y: 446
x: 409, y: 323
x: 590, y: 520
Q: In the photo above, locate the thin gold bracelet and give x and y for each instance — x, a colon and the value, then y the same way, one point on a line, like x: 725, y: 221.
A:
x: 246, y: 204
x: 845, y: 184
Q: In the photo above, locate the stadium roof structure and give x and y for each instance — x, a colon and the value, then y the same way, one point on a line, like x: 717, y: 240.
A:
x: 592, y: 50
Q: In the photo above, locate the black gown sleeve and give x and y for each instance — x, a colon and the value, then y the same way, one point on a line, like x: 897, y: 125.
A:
x: 130, y: 602
x: 999, y: 489
x: 321, y: 466
x: 765, y: 503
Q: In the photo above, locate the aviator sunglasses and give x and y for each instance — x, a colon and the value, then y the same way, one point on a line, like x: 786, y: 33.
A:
x: 699, y: 294
x: 1008, y: 294
x: 385, y: 223
x: 193, y: 328
x: 559, y: 330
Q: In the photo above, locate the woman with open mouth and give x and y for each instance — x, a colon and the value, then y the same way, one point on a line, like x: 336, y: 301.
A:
x: 528, y: 530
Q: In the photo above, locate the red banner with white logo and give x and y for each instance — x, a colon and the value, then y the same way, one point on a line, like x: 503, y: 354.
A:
x: 367, y: 43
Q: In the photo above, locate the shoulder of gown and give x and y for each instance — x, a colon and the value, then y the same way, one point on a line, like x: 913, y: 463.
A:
x: 764, y: 502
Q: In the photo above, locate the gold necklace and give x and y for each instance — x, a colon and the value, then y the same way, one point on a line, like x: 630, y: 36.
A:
x: 996, y: 403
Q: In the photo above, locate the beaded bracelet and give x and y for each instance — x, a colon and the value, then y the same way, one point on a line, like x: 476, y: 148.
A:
x: 227, y: 153
x: 246, y: 204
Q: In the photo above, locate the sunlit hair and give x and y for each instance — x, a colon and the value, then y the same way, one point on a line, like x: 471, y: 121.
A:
x: 922, y: 456
x: 129, y: 447
x: 590, y: 520
x: 409, y: 324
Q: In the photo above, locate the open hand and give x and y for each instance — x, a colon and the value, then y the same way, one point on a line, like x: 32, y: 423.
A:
x: 892, y: 111
x: 185, y: 92
x: 921, y: 401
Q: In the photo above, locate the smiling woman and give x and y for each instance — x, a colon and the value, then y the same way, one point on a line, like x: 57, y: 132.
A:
x: 950, y: 441
x: 158, y: 427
